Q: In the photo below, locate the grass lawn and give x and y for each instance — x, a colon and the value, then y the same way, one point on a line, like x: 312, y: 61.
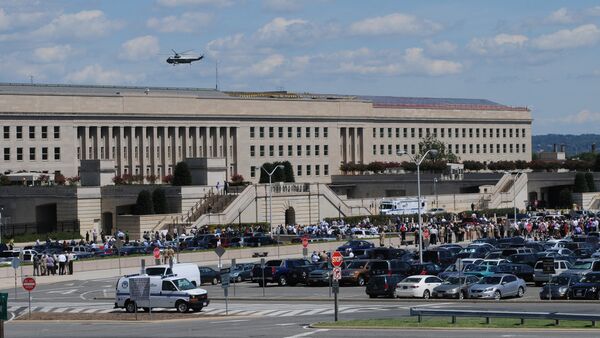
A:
x: 461, y: 322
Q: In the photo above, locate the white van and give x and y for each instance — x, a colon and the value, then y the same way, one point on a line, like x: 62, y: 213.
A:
x: 185, y: 270
x: 165, y: 292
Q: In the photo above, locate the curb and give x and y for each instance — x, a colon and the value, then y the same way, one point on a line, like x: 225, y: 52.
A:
x: 436, y: 328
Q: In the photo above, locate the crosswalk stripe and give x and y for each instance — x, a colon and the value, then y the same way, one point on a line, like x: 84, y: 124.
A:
x: 105, y: 311
x: 276, y: 313
x: 293, y: 313
x: 89, y: 310
x: 264, y: 312
x: 314, y: 312
x: 60, y: 309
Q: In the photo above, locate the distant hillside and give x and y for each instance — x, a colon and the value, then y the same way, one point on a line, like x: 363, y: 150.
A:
x: 574, y: 144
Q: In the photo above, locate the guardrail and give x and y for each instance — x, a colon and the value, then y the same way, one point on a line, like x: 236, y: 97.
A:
x: 556, y: 316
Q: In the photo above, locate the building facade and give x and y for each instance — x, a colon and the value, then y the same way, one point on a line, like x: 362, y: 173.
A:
x: 146, y: 131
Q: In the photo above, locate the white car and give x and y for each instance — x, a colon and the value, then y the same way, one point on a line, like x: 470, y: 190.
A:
x: 539, y: 277
x: 420, y: 286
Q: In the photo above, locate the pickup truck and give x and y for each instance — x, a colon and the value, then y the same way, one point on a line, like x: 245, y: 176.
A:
x: 283, y: 272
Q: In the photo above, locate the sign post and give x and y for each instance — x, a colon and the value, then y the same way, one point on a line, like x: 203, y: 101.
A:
x: 262, y: 269
x: 233, y: 267
x: 29, y: 284
x: 15, y: 265
x: 225, y: 285
x: 3, y: 311
x: 119, y: 246
x: 220, y: 252
x: 336, y: 260
x: 156, y: 253
x: 548, y: 268
x: 305, y: 246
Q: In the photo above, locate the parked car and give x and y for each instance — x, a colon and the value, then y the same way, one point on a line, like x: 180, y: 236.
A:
x: 390, y: 267
x: 283, y: 271
x: 540, y: 277
x: 583, y: 266
x: 321, y: 275
x: 384, y: 253
x: 588, y: 287
x: 455, y: 287
x: 382, y: 285
x: 523, y: 271
x: 419, y: 286
x: 480, y: 270
x: 355, y: 245
x: 440, y: 256
x: 524, y: 258
x: 258, y: 241
x: 425, y: 269
x: 558, y: 286
x: 460, y: 266
x: 356, y: 273
x: 498, y: 286
x: 209, y: 275
x: 242, y: 272
x: 81, y: 251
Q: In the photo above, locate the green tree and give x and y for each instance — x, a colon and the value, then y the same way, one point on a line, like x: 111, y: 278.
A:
x: 565, y: 199
x: 143, y: 204
x: 580, y: 184
x: 182, y: 175
x: 473, y: 165
x: 589, y: 179
x: 430, y: 142
x: 159, y: 201
x: 280, y: 175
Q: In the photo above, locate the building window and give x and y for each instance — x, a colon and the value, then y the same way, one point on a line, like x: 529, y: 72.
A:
x: 412, y: 132
x: 491, y: 148
x: 317, y: 150
x: 298, y: 132
x: 44, y: 153
x: 405, y: 132
x: 326, y: 131
x: 389, y: 149
x: 510, y: 132
x: 289, y: 132
x: 420, y: 132
x: 470, y: 148
x: 510, y: 148
x: 298, y: 170
x: 456, y: 148
x: 308, y: 150
x: 326, y: 150
x: 397, y: 132
x: 442, y: 132
x: 471, y: 132
x: 497, y: 148
x: 6, y: 132
x: 271, y: 132
x: 261, y: 132
x: 449, y: 147
x: 374, y: 149
x: 316, y: 132
x: 426, y: 132
x: 381, y: 132
x: 317, y: 170
x: 477, y: 148
x: 477, y: 132
x: 252, y: 151
x: 290, y: 148
x: 523, y: 147
x: 271, y: 150
x: 389, y: 132
x: 251, y: 132
x: 252, y: 171
x: 381, y: 149
x: 32, y: 154
x: 262, y: 151
x: 19, y: 132
x: 412, y: 149
x: 44, y: 132
x: 56, y: 131
x: 298, y: 150
x: 7, y: 154
x: 280, y: 132
x: 504, y: 132
x: 517, y: 132
x: 374, y: 132
x: 504, y: 148
x: 32, y: 132
x: 135, y: 152
x: 484, y: 147
x: 19, y: 154
x: 484, y: 133
x: 464, y: 148
x: 280, y: 150
x: 497, y: 132
x: 307, y: 132
x: 523, y: 132
x: 308, y: 170
x: 326, y: 169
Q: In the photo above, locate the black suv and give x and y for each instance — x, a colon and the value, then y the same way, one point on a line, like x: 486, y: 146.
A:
x: 385, y: 274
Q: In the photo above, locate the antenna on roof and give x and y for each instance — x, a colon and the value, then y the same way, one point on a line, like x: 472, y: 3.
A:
x: 31, y: 79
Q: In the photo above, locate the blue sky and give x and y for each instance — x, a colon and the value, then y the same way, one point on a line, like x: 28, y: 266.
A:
x: 540, y: 54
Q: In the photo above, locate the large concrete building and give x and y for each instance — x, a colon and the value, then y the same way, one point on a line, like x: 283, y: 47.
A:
x: 146, y: 131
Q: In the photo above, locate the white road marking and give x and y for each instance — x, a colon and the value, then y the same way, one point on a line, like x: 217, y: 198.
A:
x: 286, y: 324
x: 230, y: 321
x: 307, y: 333
x: 64, y: 292
x: 293, y: 313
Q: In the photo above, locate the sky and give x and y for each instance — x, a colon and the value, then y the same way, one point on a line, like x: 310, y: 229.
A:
x: 540, y: 54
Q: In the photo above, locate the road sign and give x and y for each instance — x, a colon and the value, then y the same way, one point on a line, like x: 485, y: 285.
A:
x: 548, y: 265
x: 225, y: 280
x: 139, y: 288
x: 16, y: 262
x: 156, y: 253
x: 305, y: 242
x: 3, y: 306
x: 219, y: 251
x: 337, y: 273
x: 337, y: 259
x: 305, y: 252
x: 28, y: 283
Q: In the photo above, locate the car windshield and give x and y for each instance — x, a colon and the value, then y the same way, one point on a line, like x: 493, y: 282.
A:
x: 183, y: 284
x: 490, y: 280
x: 560, y: 280
x: 467, y: 250
x: 155, y: 271
x: 590, y: 279
x: 356, y: 265
x: 411, y: 280
x: 582, y: 265
x: 476, y: 268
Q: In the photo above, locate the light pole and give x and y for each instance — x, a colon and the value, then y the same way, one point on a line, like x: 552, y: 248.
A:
x: 271, y: 201
x: 515, y: 198
x: 435, y: 192
x: 418, y: 161
x: 1, y: 210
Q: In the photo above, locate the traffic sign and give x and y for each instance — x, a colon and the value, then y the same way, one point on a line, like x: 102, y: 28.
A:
x: 225, y: 279
x: 548, y: 265
x: 337, y: 273
x: 337, y: 259
x: 16, y: 262
x: 305, y: 242
x: 305, y: 252
x: 28, y: 283
x: 156, y: 253
x: 219, y: 251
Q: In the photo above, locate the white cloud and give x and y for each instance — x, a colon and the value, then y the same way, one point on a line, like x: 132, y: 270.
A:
x: 593, y: 11
x: 13, y: 20
x: 561, y: 16
x: 583, y: 117
x: 4, y: 20
x: 50, y: 54
x: 267, y: 66
x: 440, y: 48
x: 413, y: 61
x: 581, y: 36
x: 84, y: 24
x: 187, y: 23
x: 95, y: 74
x: 295, y: 32
x: 282, y: 5
x: 497, y: 44
x: 140, y: 48
x: 175, y: 3
x: 396, y: 23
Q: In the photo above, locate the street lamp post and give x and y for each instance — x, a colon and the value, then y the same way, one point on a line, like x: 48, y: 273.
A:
x: 515, y: 198
x: 417, y: 161
x: 435, y: 191
x: 271, y: 201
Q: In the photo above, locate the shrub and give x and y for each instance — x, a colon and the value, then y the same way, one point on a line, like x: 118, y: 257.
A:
x: 167, y: 179
x: 151, y: 179
x: 589, y: 179
x: 59, y: 179
x: 580, y: 184
x: 143, y: 205
x: 473, y: 165
x: 237, y: 179
x: 159, y: 201
x: 182, y: 175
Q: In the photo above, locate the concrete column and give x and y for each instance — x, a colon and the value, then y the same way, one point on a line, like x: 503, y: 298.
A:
x: 109, y: 143
x: 234, y: 157
x: 130, y: 135
x: 205, y: 133
x: 176, y: 145
x: 185, y: 143
x: 164, y: 135
x: 218, y: 143
x: 225, y: 145
x: 361, y: 145
x: 119, y: 152
x: 83, y: 143
x: 143, y: 143
x: 197, y: 142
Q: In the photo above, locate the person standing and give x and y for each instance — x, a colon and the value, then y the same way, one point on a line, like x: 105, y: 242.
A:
x: 70, y: 258
x: 62, y: 260
x: 87, y: 236
x: 49, y: 265
x: 36, y: 265
x: 94, y: 235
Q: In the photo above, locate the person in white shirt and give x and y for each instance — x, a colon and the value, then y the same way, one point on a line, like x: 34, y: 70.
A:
x: 62, y: 260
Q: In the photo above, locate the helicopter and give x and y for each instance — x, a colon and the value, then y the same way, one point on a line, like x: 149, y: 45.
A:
x: 179, y: 58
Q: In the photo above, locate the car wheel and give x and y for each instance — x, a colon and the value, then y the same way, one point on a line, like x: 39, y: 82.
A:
x: 497, y: 295
x: 282, y: 281
x: 260, y: 283
x: 146, y: 309
x: 130, y: 306
x: 372, y: 296
x: 214, y: 281
x: 361, y: 281
x: 538, y: 283
x: 521, y: 292
x: 426, y: 294
x: 462, y: 295
x: 182, y: 307
x: 239, y: 279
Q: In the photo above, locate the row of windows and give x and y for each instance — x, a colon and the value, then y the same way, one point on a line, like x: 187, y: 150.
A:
x: 477, y: 148
x: 299, y: 170
x: 32, y: 131
x: 451, y: 132
x: 32, y: 154
x: 136, y: 153
x: 308, y: 131
x: 280, y: 150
